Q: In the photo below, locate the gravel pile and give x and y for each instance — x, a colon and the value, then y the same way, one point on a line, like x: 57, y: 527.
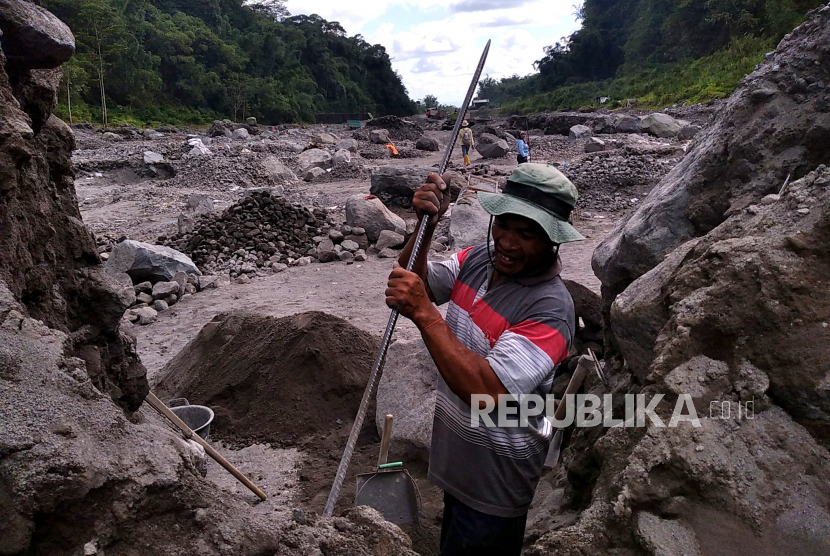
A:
x: 609, y: 181
x: 260, y: 231
x: 398, y: 128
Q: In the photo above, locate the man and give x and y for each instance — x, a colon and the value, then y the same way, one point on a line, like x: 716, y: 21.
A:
x: 465, y: 137
x: 523, y: 148
x: 509, y: 324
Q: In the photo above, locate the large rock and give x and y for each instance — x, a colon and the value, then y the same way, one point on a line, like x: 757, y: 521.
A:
x: 407, y: 391
x: 579, y: 132
x: 240, y: 134
x: 595, y: 145
x: 468, y: 223
x: 143, y: 261
x: 427, y: 143
x: 370, y: 214
x: 37, y: 93
x: 627, y: 124
x: 741, y: 157
x: 313, y: 173
x: 347, y: 144
x: 387, y: 238
x: 341, y: 157
x: 32, y: 37
x: 219, y: 129
x: 490, y: 146
x: 661, y: 125
x: 314, y: 158
x: 395, y: 185
x: 379, y: 136
x: 277, y: 170
x: 322, y: 139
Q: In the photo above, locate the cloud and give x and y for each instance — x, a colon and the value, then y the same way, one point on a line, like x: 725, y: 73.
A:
x: 506, y: 22
x: 485, y: 5
x: 426, y: 65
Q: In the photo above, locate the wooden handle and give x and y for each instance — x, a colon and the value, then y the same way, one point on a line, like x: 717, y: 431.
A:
x: 385, y: 440
x: 159, y: 406
x: 573, y: 386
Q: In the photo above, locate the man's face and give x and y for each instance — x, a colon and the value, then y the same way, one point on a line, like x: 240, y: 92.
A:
x: 522, y: 248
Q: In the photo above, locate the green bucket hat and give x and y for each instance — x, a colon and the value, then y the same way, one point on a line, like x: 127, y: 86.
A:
x: 541, y: 193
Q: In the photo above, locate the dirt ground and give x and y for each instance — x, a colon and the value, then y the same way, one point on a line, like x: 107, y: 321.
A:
x: 120, y: 201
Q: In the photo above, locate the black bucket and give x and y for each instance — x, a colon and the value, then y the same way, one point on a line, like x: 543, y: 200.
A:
x: 197, y: 417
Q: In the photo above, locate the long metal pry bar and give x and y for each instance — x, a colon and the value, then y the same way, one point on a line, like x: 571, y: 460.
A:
x: 393, y: 318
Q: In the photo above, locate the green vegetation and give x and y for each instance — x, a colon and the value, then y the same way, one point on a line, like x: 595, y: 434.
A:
x: 657, y: 51
x: 191, y: 61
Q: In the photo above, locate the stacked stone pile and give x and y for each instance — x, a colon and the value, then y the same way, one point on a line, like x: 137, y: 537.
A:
x: 259, y: 231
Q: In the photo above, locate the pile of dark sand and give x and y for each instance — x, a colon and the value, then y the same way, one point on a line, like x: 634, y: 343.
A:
x: 272, y: 379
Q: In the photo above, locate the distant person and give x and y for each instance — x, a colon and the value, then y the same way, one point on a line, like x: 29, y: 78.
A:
x: 523, y: 148
x: 467, y: 141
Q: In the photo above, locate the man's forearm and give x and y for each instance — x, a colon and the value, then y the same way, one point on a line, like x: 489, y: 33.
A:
x: 465, y: 372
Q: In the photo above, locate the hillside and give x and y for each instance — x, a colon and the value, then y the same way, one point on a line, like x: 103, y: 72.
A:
x: 194, y: 60
x: 658, y: 51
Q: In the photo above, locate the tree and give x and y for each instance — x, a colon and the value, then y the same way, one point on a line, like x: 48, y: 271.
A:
x: 430, y: 101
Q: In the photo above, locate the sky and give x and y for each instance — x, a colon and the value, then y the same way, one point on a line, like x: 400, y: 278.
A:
x: 436, y: 45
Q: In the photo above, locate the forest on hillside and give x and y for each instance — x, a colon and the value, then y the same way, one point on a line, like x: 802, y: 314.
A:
x: 626, y: 47
x: 195, y: 60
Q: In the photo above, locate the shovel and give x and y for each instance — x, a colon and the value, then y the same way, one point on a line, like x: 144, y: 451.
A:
x: 390, y: 490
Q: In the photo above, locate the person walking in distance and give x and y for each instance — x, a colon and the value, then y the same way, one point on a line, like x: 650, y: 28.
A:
x: 523, y: 148
x: 509, y: 325
x: 465, y: 137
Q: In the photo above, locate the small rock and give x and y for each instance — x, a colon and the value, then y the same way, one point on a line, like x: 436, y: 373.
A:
x: 279, y: 267
x: 104, y: 256
x: 110, y: 136
x: 389, y: 238
x: 335, y: 235
x: 299, y: 517
x: 144, y: 287
x: 240, y: 134
x: 313, y: 173
x: 358, y: 231
x: 803, y: 211
x: 387, y: 253
x: 594, y: 145
x: 244, y: 279
x: 163, y: 289
x: 771, y: 198
x: 360, y: 255
x: 144, y: 298
x: 341, y: 157
x: 304, y: 261
x: 350, y: 245
x: 160, y: 305
x: 151, y: 157
x: 346, y: 256
x: 146, y: 315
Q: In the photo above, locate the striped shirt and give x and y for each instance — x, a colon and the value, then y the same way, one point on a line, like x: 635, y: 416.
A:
x: 523, y: 327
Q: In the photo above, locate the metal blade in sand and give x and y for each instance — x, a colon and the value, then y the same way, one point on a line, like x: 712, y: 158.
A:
x: 393, y: 318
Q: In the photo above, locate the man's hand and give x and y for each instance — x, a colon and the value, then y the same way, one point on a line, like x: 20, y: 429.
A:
x: 406, y: 292
x: 433, y: 198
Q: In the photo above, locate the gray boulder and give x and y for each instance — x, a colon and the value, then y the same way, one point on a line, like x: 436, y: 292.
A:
x: 627, y: 124
x: 33, y: 37
x: 251, y: 121
x: 325, y: 251
x: 490, y: 146
x: 347, y: 144
x: 341, y: 157
x: 689, y: 131
x: 388, y: 238
x: 110, y: 136
x: 313, y: 173
x: 407, y: 390
x: 427, y: 143
x: 240, y: 134
x: 163, y: 290
x: 379, y: 136
x: 371, y: 215
x: 146, y: 315
x: 594, y: 145
x: 199, y: 204
x: 468, y: 223
x: 323, y: 139
x: 151, y: 157
x: 143, y: 261
x: 314, y: 158
x: 579, y: 132
x: 219, y: 129
x: 277, y: 170
x: 661, y: 125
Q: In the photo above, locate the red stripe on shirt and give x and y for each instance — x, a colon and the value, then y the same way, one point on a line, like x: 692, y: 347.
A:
x: 545, y: 338
x: 462, y: 255
x: 463, y: 295
x: 489, y: 321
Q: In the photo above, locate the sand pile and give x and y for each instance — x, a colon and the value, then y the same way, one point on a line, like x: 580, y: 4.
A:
x: 273, y: 380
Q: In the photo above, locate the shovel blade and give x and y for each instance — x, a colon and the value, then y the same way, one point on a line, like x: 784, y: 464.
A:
x: 392, y: 493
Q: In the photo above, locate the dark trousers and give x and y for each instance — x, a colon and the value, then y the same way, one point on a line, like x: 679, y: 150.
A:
x: 467, y: 532
x: 521, y: 159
